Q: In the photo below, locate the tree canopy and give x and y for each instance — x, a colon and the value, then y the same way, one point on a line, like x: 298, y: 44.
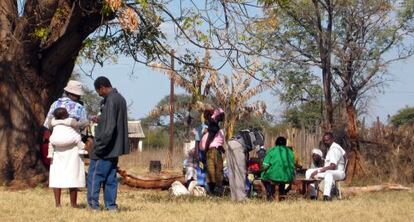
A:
x: 351, y: 42
x: 404, y: 116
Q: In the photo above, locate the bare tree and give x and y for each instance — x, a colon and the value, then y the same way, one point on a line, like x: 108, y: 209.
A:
x: 303, y: 36
x: 196, y: 79
x: 352, y: 42
x: 370, y: 35
x: 233, y: 95
x: 204, y: 83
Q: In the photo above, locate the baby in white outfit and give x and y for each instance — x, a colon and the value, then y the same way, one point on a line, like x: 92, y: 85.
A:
x: 65, y: 132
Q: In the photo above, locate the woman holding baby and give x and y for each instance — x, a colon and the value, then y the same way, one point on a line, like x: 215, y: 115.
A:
x: 66, y: 118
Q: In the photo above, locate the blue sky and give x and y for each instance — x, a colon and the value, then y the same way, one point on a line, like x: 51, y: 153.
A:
x: 145, y: 88
x: 399, y: 92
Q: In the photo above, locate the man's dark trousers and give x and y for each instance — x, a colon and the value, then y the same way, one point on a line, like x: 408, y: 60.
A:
x: 102, y: 173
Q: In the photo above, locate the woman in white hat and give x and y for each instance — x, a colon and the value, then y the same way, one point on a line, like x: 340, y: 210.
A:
x: 317, y: 162
x: 67, y: 169
x: 71, y: 101
x: 317, y: 159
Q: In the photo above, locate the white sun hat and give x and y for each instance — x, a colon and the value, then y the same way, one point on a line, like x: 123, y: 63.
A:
x: 74, y: 87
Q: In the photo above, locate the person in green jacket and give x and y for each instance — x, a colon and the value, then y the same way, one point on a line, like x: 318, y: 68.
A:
x: 278, y: 168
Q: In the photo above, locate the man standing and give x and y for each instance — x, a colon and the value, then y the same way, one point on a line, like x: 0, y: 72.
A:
x: 237, y: 155
x: 236, y: 162
x: 334, y: 168
x: 111, y: 141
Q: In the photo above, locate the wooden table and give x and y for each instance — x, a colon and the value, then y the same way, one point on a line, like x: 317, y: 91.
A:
x: 305, y: 185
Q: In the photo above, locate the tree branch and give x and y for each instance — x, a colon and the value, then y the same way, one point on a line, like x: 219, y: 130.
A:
x: 69, y: 41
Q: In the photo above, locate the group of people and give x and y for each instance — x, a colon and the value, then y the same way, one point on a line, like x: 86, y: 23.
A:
x: 276, y: 168
x: 279, y: 164
x: 67, y: 119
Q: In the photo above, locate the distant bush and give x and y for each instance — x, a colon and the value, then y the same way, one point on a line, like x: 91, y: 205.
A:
x: 156, y: 138
x: 389, y: 155
x: 403, y: 117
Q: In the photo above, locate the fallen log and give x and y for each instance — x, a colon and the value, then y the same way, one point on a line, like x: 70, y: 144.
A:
x: 160, y: 180
x: 349, y: 191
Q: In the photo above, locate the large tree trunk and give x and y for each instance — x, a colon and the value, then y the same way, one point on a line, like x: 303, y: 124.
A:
x: 33, y: 72
x: 324, y: 44
x: 352, y: 127
x: 20, y: 115
x: 354, y: 167
x: 327, y: 79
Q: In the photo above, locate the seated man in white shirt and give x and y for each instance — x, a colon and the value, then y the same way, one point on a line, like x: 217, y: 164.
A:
x: 334, y: 168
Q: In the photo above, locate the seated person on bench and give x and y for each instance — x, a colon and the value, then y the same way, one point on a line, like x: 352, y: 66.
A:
x: 317, y: 159
x: 334, y: 168
x: 317, y: 162
x: 278, y: 168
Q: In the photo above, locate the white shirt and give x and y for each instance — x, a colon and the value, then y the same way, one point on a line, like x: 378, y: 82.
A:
x: 335, y: 155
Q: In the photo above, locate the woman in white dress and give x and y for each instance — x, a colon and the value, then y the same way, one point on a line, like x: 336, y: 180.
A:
x: 67, y: 169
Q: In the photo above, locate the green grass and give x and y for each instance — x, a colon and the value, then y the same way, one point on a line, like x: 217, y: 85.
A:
x: 146, y: 205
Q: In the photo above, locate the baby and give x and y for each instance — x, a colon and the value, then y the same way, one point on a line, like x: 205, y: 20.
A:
x: 65, y: 132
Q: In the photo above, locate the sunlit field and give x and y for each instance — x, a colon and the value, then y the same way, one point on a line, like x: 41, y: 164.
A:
x: 143, y: 205
x: 156, y: 205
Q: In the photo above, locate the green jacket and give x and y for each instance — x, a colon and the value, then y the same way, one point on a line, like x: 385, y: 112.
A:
x: 280, y: 164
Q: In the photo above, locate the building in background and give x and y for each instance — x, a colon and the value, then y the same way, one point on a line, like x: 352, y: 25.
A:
x: 135, y: 134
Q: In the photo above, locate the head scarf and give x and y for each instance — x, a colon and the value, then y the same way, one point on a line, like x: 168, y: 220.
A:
x: 317, y: 152
x: 216, y: 113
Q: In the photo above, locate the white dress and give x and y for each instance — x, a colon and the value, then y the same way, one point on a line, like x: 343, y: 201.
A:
x: 67, y: 169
